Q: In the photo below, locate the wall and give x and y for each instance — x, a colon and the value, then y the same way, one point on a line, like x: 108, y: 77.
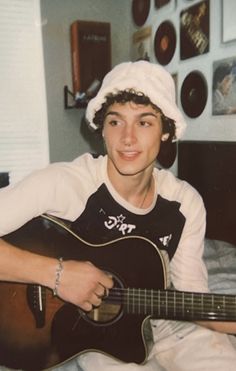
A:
x: 68, y: 137
x: 206, y: 126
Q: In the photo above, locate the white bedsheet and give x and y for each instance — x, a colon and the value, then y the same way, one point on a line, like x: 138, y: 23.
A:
x: 220, y: 259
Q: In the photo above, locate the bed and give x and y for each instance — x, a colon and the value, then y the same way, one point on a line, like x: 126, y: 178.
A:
x: 210, y: 168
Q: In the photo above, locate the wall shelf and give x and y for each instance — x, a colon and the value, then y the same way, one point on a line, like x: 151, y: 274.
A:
x: 71, y: 102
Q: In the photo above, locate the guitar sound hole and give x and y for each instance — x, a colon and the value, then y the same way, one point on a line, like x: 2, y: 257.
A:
x: 105, y: 313
x: 111, y: 308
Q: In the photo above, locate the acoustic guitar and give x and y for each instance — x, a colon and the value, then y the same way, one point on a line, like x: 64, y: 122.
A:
x: 39, y: 331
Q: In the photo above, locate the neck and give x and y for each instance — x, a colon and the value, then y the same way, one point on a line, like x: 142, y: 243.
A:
x: 137, y: 190
x: 147, y: 195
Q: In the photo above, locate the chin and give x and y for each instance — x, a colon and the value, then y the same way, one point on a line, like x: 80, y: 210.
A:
x: 129, y: 170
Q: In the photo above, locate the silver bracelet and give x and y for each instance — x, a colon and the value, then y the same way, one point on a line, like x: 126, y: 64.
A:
x: 59, y: 271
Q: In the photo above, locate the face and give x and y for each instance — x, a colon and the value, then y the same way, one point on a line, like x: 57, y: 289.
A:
x: 226, y: 84
x: 132, y: 135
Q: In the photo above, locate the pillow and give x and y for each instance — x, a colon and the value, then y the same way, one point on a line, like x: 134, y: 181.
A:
x: 220, y: 260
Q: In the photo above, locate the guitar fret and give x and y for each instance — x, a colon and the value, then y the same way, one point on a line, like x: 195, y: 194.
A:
x: 152, y: 302
x: 212, y: 303
x: 186, y: 310
x: 223, y: 303
x: 127, y: 302
x: 166, y: 304
x: 133, y: 302
x: 162, y: 303
x: 159, y: 303
x: 145, y: 301
x: 192, y: 299
x: 139, y: 302
x: 227, y: 304
x: 149, y: 301
x: 174, y: 304
x: 202, y: 303
x: 220, y: 305
x: 197, y: 305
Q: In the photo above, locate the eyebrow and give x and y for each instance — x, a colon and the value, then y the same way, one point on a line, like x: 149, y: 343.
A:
x: 144, y: 114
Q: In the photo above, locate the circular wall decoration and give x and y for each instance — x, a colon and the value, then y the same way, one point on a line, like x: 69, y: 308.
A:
x: 165, y: 42
x: 140, y: 11
x: 194, y: 94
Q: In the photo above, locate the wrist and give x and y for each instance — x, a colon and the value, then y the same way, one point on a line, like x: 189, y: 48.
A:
x: 58, y: 274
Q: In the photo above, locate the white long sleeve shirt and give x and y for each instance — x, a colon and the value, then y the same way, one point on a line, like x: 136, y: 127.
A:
x: 80, y: 191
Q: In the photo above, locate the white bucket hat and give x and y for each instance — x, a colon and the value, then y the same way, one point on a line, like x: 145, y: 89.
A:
x: 144, y: 77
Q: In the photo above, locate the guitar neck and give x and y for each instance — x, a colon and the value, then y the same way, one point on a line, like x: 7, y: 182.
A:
x: 179, y: 305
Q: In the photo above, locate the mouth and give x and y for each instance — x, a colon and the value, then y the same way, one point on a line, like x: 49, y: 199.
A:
x: 129, y: 155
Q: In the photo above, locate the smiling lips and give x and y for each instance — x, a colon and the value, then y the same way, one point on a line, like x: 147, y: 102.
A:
x: 128, y: 155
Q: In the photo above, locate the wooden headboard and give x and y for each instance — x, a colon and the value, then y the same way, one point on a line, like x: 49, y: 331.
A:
x: 211, y: 168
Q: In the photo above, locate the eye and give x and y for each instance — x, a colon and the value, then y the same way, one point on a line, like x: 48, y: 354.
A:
x: 144, y: 124
x: 113, y: 122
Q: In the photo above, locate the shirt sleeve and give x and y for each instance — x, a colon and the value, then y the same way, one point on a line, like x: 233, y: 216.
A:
x: 61, y: 189
x: 27, y: 199
x: 187, y: 268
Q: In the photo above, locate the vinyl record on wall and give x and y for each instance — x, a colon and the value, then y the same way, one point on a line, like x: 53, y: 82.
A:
x: 140, y: 11
x: 194, y: 94
x: 165, y: 42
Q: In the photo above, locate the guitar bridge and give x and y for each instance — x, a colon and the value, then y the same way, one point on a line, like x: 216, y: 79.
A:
x: 36, y: 296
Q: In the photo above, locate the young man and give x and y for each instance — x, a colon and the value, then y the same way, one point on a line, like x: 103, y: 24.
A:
x: 116, y: 196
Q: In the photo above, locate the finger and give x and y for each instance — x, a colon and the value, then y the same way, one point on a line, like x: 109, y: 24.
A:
x: 100, y: 291
x: 106, y: 281
x: 106, y: 293
x: 100, y: 296
x: 86, y: 306
x: 95, y: 300
x: 106, y: 287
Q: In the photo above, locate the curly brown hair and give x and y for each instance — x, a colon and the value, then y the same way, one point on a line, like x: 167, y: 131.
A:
x: 168, y: 125
x: 167, y: 153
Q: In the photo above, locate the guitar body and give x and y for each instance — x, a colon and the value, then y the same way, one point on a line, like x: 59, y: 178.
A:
x: 38, y: 330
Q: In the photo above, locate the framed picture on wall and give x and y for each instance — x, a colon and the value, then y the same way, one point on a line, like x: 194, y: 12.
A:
x: 228, y: 23
x: 224, y: 87
x: 194, y: 30
x: 141, y: 44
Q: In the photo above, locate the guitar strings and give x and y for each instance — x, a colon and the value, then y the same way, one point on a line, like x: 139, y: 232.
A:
x: 136, y: 298
x: 169, y: 294
x: 173, y: 297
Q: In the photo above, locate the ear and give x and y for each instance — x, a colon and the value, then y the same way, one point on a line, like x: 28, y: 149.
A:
x: 165, y: 137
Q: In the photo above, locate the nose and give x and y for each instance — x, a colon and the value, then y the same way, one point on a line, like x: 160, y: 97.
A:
x: 129, y: 135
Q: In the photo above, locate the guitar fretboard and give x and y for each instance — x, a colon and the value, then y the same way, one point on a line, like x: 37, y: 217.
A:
x: 175, y: 304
